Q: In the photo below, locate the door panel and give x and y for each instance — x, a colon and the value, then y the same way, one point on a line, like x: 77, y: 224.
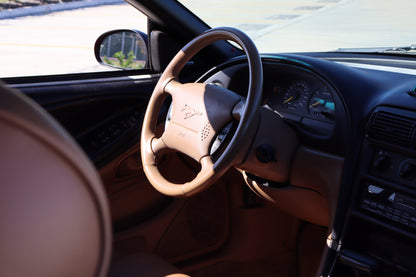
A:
x: 103, y: 112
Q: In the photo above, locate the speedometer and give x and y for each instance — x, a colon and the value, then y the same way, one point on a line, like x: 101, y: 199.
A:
x: 296, y: 96
x: 321, y: 104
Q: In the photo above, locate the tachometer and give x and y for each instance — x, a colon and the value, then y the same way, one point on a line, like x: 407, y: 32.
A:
x: 296, y: 96
x: 321, y: 104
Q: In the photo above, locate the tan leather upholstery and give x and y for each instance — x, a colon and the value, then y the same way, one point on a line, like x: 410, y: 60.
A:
x: 54, y: 215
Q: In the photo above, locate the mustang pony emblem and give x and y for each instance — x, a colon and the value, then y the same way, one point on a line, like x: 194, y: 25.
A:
x: 189, y: 112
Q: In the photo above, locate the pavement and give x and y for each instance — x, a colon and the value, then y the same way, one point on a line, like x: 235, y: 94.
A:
x: 60, y: 38
x: 63, y: 41
x: 260, y: 17
x: 45, y: 9
x: 351, y: 24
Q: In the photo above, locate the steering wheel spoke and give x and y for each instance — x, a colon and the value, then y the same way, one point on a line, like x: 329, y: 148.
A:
x: 238, y: 110
x: 173, y: 87
x: 158, y: 145
x: 203, y: 179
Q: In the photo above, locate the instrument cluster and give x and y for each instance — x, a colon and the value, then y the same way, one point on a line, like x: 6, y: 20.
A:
x: 301, y: 97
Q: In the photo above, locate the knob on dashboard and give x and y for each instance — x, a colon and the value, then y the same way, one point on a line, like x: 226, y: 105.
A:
x: 265, y: 153
x: 407, y: 170
x: 382, y: 163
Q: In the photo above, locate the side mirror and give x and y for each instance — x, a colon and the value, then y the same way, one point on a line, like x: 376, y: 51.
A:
x: 123, y: 49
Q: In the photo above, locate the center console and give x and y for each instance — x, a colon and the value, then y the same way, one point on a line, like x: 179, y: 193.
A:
x: 380, y: 234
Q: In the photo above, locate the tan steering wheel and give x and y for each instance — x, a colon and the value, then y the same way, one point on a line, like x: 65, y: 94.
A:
x: 199, y: 112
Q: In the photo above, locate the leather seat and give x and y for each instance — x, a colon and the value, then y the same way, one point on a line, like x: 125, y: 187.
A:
x: 54, y: 214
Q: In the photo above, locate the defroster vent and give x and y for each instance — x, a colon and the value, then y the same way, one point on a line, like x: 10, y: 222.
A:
x: 392, y: 128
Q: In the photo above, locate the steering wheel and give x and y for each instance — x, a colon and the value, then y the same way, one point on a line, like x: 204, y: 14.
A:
x: 199, y: 112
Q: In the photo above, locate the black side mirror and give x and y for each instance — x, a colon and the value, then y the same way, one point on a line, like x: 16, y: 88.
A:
x: 123, y: 49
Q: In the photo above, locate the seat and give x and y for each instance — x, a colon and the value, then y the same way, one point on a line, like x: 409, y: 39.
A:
x: 54, y: 214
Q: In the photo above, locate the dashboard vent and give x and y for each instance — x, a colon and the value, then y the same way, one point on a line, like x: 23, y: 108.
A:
x: 392, y: 128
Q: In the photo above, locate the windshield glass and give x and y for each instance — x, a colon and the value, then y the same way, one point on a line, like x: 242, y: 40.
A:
x: 314, y: 25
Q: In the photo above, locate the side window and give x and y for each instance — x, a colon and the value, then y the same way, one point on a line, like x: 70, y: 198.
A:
x: 37, y: 43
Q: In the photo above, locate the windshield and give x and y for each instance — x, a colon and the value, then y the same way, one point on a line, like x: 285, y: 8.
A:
x: 314, y: 25
x: 59, y: 38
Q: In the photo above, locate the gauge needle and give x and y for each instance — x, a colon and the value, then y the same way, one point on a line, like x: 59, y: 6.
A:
x: 315, y: 104
x: 288, y: 100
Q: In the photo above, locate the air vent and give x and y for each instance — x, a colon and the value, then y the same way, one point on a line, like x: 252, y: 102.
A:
x: 392, y: 128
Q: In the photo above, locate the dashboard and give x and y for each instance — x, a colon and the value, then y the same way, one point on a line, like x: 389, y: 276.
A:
x: 304, y: 98
x: 360, y: 108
